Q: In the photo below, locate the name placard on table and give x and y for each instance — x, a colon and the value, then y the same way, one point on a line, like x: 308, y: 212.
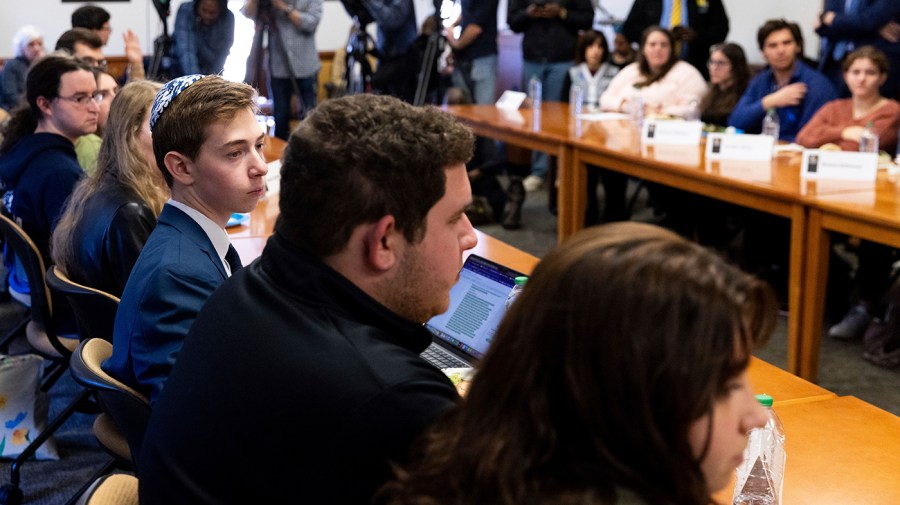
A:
x: 727, y: 146
x: 844, y: 165
x: 511, y: 100
x: 672, y: 132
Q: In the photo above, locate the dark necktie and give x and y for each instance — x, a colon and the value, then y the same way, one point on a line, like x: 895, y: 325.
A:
x: 233, y: 260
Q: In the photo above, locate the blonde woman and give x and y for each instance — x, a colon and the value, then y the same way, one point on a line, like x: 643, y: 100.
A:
x: 112, y: 212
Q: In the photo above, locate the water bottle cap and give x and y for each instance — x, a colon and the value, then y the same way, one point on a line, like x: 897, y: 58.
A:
x: 764, y: 400
x: 521, y: 280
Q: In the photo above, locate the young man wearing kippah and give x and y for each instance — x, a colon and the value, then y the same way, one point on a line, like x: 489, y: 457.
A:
x: 208, y: 146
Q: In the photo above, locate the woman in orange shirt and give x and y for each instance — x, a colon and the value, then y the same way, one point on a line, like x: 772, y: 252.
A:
x: 842, y: 121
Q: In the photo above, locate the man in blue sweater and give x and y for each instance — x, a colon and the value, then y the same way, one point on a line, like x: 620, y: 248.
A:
x: 792, y: 87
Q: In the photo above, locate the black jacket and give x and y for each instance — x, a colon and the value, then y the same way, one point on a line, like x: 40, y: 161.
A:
x: 289, y: 361
x: 550, y: 40
x: 108, y: 239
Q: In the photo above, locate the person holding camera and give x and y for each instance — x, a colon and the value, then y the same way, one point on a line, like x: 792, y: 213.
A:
x: 293, y: 58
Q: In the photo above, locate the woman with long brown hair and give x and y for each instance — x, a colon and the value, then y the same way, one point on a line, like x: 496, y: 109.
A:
x: 619, y: 376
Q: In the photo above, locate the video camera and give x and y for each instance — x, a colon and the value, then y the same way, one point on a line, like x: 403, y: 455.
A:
x: 357, y: 9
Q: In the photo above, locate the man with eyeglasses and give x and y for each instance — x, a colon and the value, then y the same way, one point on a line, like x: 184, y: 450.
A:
x: 87, y: 147
x: 38, y: 167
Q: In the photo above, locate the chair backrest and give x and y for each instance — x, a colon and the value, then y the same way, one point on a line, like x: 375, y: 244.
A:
x: 128, y: 408
x: 33, y: 264
x: 94, y: 309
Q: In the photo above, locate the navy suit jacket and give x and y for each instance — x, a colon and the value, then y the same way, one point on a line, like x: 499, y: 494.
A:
x: 177, y: 271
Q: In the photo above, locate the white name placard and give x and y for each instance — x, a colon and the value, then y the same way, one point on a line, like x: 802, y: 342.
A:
x: 672, y: 132
x: 511, y: 100
x: 845, y: 165
x: 726, y: 146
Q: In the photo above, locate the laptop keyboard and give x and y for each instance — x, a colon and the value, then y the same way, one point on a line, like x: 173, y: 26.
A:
x: 441, y: 358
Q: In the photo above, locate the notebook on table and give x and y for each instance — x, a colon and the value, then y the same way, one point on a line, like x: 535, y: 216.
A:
x: 463, y: 334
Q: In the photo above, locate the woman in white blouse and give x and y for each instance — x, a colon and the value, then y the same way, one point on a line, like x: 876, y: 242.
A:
x: 667, y: 85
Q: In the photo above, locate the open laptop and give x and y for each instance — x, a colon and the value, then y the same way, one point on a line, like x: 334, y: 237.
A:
x: 477, y: 303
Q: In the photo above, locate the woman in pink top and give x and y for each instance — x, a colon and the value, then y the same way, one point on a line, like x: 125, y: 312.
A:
x: 667, y: 84
x: 842, y: 121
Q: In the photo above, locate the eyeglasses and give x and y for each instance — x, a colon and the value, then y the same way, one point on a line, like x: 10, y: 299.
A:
x: 717, y: 63
x: 83, y: 99
x: 90, y: 60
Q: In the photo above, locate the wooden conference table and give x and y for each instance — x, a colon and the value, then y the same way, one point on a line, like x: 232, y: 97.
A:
x: 840, y: 450
x: 774, y: 187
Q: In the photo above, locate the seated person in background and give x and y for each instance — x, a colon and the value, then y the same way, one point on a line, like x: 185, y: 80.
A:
x: 38, y: 167
x: 591, y: 417
x: 844, y: 26
x: 792, y: 87
x: 592, y: 70
x: 87, y: 147
x: 728, y: 78
x: 202, y: 38
x: 318, y: 341
x: 113, y: 211
x: 208, y: 146
x: 842, y: 121
x: 696, y: 25
x: 87, y: 45
x: 622, y: 54
x: 29, y: 46
x: 666, y: 85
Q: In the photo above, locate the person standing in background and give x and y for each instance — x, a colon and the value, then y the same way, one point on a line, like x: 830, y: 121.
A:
x: 475, y: 49
x: 550, y: 30
x: 293, y: 59
x: 97, y: 20
x: 396, y: 23
x: 204, y: 33
x: 695, y: 24
x: 847, y: 24
x: 29, y: 46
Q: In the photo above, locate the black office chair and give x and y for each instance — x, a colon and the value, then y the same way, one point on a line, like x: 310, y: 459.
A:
x: 129, y: 409
x: 94, y: 309
x: 42, y: 337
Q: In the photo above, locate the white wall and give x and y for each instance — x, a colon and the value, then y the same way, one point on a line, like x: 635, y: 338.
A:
x: 52, y: 18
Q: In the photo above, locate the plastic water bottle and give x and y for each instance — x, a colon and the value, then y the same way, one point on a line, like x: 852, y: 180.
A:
x: 868, y: 141
x: 761, y: 476
x: 637, y: 108
x: 576, y: 99
x: 693, y: 111
x: 516, y: 290
x: 771, y: 124
x: 535, y: 92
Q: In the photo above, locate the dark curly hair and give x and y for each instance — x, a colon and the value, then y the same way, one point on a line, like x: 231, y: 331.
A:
x: 358, y: 158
